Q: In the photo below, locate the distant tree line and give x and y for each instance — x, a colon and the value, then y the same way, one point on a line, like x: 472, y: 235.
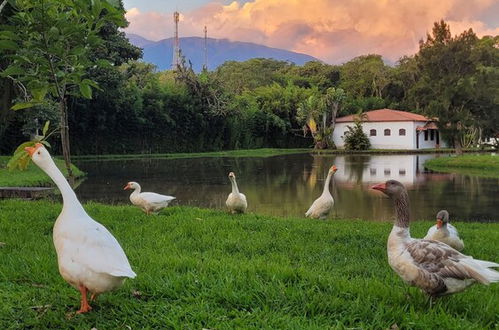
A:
x: 132, y: 108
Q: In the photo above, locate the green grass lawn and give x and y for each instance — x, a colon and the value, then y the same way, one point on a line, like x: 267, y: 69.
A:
x: 32, y: 176
x: 264, y: 152
x: 201, y: 268
x: 485, y: 165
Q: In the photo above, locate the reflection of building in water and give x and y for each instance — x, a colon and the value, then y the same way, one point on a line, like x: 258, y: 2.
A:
x: 368, y: 169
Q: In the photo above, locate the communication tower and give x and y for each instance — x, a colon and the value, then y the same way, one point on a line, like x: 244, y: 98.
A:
x: 176, y: 43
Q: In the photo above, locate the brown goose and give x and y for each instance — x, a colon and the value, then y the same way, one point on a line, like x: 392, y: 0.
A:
x: 434, y: 267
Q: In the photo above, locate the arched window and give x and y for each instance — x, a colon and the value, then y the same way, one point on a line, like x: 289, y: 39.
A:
x: 372, y: 132
x: 387, y: 132
x: 402, y: 132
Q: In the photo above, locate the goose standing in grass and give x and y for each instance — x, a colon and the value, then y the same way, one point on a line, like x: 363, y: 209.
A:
x: 432, y: 266
x: 149, y: 202
x: 89, y: 257
x: 236, y: 202
x: 444, y: 232
x: 323, y: 205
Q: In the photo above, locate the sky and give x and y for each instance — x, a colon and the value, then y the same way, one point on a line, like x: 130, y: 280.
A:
x: 334, y: 31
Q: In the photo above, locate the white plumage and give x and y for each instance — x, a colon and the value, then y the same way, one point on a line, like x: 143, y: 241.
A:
x: 89, y: 257
x: 444, y: 232
x: 323, y: 205
x: 149, y: 202
x: 236, y: 201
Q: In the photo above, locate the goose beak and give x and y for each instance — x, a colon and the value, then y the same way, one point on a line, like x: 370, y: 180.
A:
x: 379, y: 186
x: 126, y: 187
x: 440, y: 223
x: 32, y: 150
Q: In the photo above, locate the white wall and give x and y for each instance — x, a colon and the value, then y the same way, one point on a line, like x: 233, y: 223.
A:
x: 394, y: 141
x: 424, y: 144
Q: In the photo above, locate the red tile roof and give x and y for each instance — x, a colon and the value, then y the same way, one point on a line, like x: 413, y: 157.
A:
x: 430, y: 125
x: 386, y: 115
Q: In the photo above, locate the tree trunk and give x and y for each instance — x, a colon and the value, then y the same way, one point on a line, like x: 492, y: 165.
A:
x: 2, y: 5
x: 457, y: 145
x: 65, y: 137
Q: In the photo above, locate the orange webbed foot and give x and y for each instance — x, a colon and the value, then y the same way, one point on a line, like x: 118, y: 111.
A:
x: 84, y: 306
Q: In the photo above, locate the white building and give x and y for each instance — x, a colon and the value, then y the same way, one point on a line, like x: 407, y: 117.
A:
x: 392, y: 129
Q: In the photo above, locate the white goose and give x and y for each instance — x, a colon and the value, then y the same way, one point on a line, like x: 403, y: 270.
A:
x: 149, y: 202
x: 444, y: 232
x: 323, y: 205
x: 236, y: 202
x: 434, y: 267
x: 89, y: 257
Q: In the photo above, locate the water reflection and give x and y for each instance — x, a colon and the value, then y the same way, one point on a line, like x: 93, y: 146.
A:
x: 287, y: 185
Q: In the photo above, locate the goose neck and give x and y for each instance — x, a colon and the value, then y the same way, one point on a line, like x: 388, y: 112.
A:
x: 235, y: 190
x: 325, y: 190
x: 70, y: 201
x: 402, y: 210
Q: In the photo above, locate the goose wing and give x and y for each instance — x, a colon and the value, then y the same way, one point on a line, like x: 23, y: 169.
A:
x: 437, y: 262
x: 96, y: 248
x: 320, y: 206
x: 156, y: 199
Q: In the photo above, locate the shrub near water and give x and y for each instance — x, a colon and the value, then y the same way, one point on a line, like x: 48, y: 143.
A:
x: 207, y: 269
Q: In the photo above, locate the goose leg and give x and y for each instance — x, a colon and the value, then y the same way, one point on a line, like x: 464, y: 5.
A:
x: 93, y: 297
x: 84, y: 307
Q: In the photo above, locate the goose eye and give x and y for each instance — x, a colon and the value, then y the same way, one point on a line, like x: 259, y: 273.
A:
x: 38, y: 152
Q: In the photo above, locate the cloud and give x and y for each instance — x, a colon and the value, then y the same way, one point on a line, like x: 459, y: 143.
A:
x: 332, y: 30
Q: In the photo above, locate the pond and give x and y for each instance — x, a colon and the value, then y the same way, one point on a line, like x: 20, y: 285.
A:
x: 287, y: 185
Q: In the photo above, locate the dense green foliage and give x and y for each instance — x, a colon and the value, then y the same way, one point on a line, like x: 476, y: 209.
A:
x: 459, y: 82
x: 51, y: 47
x: 265, y: 103
x: 32, y: 176
x: 480, y: 165
x: 207, y: 269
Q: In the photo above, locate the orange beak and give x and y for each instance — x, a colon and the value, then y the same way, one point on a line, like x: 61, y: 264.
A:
x: 127, y: 186
x: 32, y: 150
x: 440, y: 223
x: 379, y: 186
x: 334, y: 168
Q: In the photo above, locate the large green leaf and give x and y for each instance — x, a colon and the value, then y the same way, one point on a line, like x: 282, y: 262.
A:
x: 46, y: 127
x: 85, y: 90
x: 8, y: 44
x: 8, y: 35
x: 24, y: 105
x: 12, y: 70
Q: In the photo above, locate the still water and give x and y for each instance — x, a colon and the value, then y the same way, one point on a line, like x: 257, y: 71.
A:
x: 287, y: 185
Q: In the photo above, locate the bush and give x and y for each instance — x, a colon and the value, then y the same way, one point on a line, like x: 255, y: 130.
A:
x: 355, y: 138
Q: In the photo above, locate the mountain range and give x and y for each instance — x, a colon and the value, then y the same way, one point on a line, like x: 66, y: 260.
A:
x: 160, y: 53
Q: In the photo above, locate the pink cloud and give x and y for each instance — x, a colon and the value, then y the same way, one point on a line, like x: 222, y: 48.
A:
x: 332, y: 30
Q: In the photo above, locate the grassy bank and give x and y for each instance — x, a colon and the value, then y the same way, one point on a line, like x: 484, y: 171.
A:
x: 207, y: 269
x: 265, y: 152
x: 479, y: 165
x: 33, y: 176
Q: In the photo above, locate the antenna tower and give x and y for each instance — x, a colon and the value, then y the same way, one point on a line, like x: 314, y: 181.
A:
x: 176, y: 43
x: 205, y: 65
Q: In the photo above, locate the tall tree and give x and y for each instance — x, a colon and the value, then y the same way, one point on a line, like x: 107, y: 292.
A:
x: 51, y: 44
x: 321, y: 109
x: 451, y: 77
